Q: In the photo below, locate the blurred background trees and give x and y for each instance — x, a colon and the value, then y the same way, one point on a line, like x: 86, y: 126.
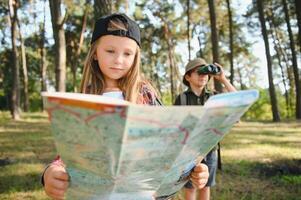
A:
x: 44, y: 44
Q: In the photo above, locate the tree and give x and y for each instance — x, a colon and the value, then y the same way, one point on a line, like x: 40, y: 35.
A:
x: 24, y: 67
x: 231, y: 41
x: 15, y: 98
x: 188, y: 29
x: 276, y: 116
x: 294, y: 60
x: 282, y: 49
x: 170, y: 47
x: 158, y: 51
x: 279, y: 55
x: 214, y: 39
x: 298, y: 13
x: 43, y: 52
x: 60, y: 43
x: 76, y: 26
x: 102, y: 8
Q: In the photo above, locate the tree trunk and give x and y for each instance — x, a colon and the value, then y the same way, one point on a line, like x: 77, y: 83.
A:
x: 171, y: 62
x: 279, y: 54
x: 276, y: 116
x: 214, y: 40
x: 231, y: 42
x: 200, y: 44
x: 242, y: 85
x: 177, y: 75
x: 188, y: 29
x: 298, y: 13
x: 294, y: 60
x: 43, y: 55
x: 102, y: 8
x: 15, y: 98
x: 24, y: 67
x: 79, y: 47
x: 60, y: 44
x: 285, y: 59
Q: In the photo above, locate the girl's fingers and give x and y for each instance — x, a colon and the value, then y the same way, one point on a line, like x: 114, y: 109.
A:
x: 61, y: 174
x: 202, y: 175
x: 200, y: 168
x: 56, y: 182
x: 59, y: 184
x: 199, y: 182
x: 55, y: 193
x: 199, y: 175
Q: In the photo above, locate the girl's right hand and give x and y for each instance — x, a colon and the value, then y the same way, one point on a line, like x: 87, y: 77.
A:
x: 56, y: 181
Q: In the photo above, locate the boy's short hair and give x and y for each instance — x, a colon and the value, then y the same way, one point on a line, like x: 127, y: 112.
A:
x: 102, y: 28
x: 197, y: 62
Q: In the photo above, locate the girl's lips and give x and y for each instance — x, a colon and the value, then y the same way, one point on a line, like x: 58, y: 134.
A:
x: 116, y: 68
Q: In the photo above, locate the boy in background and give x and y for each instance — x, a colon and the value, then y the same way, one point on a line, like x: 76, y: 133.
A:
x: 197, y: 94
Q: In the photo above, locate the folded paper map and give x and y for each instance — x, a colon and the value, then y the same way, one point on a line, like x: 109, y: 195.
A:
x: 117, y: 150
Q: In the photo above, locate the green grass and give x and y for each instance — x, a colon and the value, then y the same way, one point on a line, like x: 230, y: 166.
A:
x: 28, y: 146
x: 260, y: 160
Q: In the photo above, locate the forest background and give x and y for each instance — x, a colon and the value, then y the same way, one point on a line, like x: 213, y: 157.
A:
x: 43, y: 45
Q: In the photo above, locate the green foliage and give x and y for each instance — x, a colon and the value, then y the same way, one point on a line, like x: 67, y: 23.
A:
x: 35, y: 102
x: 5, y: 79
x: 166, y: 99
x: 261, y: 109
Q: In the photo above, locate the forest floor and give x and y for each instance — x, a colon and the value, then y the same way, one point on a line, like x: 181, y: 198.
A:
x: 260, y: 160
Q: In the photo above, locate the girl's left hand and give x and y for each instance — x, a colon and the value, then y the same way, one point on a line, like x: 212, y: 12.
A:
x: 199, y: 176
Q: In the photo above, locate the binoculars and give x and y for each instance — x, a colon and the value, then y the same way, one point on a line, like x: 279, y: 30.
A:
x: 209, y: 69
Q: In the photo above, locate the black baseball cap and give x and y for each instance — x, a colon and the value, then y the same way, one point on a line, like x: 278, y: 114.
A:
x: 101, y: 28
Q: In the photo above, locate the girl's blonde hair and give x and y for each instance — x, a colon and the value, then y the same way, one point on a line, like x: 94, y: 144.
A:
x: 93, y: 79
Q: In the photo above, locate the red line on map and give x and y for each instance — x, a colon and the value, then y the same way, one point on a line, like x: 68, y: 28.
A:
x: 106, y: 112
x: 122, y: 114
x: 50, y: 110
x: 216, y: 131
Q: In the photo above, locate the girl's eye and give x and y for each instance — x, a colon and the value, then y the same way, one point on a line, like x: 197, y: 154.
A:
x: 110, y: 51
x: 127, y: 54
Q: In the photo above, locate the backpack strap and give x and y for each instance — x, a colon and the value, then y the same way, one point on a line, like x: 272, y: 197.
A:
x: 183, y: 99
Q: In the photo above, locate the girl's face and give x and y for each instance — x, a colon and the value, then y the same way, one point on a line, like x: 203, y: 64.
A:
x: 196, y: 80
x: 115, y: 56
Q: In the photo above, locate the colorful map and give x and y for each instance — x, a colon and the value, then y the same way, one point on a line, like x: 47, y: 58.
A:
x: 118, y: 150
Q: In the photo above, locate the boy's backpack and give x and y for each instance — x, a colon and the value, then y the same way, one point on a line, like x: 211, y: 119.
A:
x: 183, y: 99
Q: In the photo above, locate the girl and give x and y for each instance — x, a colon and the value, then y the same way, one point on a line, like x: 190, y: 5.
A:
x: 112, y: 68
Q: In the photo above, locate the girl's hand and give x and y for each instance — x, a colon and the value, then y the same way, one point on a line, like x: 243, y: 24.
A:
x: 199, y: 176
x: 56, y: 181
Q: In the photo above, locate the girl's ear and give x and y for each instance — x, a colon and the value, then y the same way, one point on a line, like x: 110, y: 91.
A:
x: 95, y: 57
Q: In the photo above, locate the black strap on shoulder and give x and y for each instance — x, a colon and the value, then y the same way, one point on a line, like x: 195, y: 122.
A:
x: 183, y: 99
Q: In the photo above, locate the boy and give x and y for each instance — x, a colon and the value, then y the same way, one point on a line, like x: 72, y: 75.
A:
x: 197, y: 94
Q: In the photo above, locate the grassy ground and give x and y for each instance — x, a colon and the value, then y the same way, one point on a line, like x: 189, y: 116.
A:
x: 260, y: 160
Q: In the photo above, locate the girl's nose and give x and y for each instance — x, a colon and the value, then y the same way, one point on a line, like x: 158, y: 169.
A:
x: 118, y: 58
